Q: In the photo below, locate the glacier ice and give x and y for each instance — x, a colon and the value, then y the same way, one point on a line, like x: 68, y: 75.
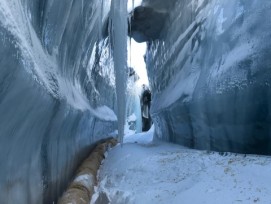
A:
x: 209, y: 70
x: 57, y: 93
x: 208, y: 63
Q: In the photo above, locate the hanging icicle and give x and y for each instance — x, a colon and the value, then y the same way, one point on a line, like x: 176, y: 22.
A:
x: 118, y: 35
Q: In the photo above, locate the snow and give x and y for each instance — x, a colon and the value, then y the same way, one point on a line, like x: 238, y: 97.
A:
x: 220, y: 22
x: 105, y: 113
x: 143, y: 171
x: 44, y: 65
x: 141, y: 138
x: 85, y: 180
x: 131, y: 118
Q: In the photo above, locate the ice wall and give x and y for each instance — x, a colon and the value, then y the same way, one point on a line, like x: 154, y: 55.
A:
x: 57, y: 95
x: 210, y: 72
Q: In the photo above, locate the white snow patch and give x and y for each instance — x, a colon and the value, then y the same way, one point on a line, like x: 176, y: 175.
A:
x: 132, y: 118
x: 220, y: 22
x: 106, y: 113
x: 87, y: 180
x: 168, y: 173
x: 141, y: 138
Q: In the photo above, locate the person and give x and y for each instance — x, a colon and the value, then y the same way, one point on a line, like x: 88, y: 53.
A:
x: 145, y: 108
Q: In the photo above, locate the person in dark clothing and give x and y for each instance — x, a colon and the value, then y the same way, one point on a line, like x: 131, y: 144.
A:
x: 145, y: 108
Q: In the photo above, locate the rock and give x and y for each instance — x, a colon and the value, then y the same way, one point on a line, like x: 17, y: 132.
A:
x: 146, y: 23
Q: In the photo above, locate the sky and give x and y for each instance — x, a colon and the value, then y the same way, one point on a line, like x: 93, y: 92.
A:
x: 137, y: 52
x: 130, y: 4
x: 136, y: 61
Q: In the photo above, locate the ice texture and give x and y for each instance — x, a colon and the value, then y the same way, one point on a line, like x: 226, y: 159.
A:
x: 118, y: 34
x: 57, y: 93
x: 210, y: 73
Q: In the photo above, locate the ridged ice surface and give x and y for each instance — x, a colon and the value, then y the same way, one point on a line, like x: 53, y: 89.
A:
x: 118, y: 34
x: 209, y: 72
x: 210, y: 75
x: 57, y: 93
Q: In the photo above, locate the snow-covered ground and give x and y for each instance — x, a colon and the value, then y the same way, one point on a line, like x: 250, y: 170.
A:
x: 142, y: 171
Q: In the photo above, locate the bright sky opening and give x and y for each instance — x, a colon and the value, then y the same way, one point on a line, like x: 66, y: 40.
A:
x: 136, y: 61
x: 130, y: 4
x: 137, y: 51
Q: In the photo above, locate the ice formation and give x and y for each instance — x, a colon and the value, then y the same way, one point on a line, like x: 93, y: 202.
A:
x: 209, y: 68
x: 118, y: 34
x: 57, y: 93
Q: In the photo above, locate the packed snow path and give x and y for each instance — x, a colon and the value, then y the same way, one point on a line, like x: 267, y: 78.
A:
x: 145, y: 172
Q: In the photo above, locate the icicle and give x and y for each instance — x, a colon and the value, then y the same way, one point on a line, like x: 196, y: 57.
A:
x: 130, y: 42
x: 130, y: 23
x: 130, y: 30
x: 118, y: 34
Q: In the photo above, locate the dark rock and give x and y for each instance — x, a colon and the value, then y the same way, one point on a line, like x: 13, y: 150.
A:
x: 146, y: 24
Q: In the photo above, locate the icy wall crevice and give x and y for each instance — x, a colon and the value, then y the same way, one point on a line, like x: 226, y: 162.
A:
x: 210, y: 75
x: 57, y: 93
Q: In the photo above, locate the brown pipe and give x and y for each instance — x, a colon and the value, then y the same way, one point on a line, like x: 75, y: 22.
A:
x: 81, y: 188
